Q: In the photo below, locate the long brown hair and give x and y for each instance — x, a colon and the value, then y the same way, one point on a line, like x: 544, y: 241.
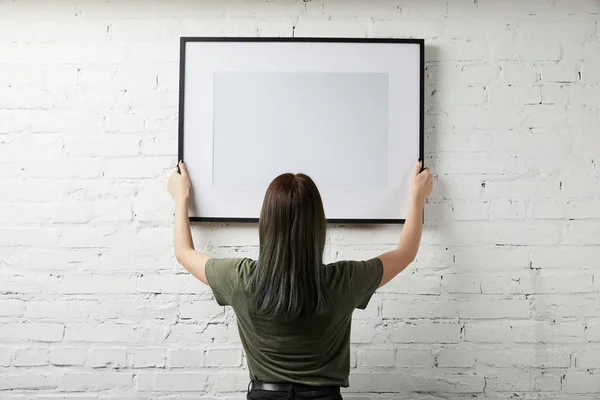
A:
x: 288, y: 281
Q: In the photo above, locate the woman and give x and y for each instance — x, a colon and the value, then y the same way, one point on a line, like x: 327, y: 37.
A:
x: 293, y: 312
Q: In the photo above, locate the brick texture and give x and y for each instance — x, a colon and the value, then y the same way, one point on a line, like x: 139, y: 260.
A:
x: 502, y: 302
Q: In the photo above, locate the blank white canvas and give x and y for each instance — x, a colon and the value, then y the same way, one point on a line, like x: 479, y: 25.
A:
x: 347, y: 114
x: 280, y: 121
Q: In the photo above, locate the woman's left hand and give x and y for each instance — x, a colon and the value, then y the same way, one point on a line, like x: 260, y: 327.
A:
x: 179, y: 184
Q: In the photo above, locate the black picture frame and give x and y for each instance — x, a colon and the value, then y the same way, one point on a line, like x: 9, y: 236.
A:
x: 185, y: 40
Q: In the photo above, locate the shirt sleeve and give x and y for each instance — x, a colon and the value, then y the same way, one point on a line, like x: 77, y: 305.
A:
x: 365, y: 278
x: 222, y: 275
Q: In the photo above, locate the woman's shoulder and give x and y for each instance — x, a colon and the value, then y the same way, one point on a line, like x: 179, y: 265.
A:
x: 346, y: 270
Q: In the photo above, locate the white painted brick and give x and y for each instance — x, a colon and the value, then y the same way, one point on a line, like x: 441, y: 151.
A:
x: 65, y: 356
x: 117, y: 260
x: 590, y: 74
x: 518, y: 188
x: 419, y: 309
x: 111, y: 211
x: 362, y: 332
x: 162, y: 121
x: 582, y: 95
x: 480, y: 163
x: 138, y: 310
x: 76, y: 122
x: 12, y: 308
x: 144, y: 358
x: 512, y: 380
x: 472, y: 259
x: 99, y: 236
x: 223, y: 358
x: 473, y: 95
x: 582, y: 232
x: 581, y: 382
x: 88, y: 31
x: 583, y: 209
x: 30, y: 357
x: 563, y: 283
x: 6, y: 356
x: 518, y: 73
x: 104, y: 357
x: 546, y: 357
x: 137, y: 167
x: 59, y: 259
x: 86, y: 168
x: 226, y: 381
x: 378, y: 357
x: 455, y: 357
x: 154, y: 211
x: 479, y: 73
x: 414, y: 358
x: 198, y: 333
x: 179, y: 381
x: 185, y: 358
x: 200, y: 310
x: 102, y: 145
x: 558, y: 73
x: 514, y: 94
x: 425, y: 333
x: 523, y: 233
x: 507, y: 209
x: 524, y: 49
x: 421, y: 382
x: 57, y: 310
x: 124, y: 123
x: 581, y: 186
x: 494, y: 309
x: 593, y: 330
x: 31, y: 284
x: 514, y: 283
x: 183, y: 283
x: 29, y: 236
x: 555, y: 94
x: 159, y: 145
x: 471, y: 211
x: 84, y: 381
x: 35, y: 332
x: 68, y: 212
x: 547, y: 209
x: 89, y: 119
x: 135, y: 31
x: 112, y: 333
x: 543, y: 332
x: 482, y: 332
x: 413, y: 284
x: 554, y: 306
x: 82, y: 284
x: 27, y: 381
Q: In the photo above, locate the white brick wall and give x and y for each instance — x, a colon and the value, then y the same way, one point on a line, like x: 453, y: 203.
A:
x: 502, y: 302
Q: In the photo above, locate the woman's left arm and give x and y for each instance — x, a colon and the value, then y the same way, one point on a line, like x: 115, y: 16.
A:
x: 186, y: 255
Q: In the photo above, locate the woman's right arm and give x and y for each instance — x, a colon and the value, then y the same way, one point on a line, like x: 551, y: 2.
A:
x: 396, y: 260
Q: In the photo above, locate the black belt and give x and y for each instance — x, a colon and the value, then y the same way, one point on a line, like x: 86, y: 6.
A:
x: 291, y: 387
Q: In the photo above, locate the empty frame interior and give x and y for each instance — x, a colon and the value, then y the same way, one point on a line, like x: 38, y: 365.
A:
x: 348, y: 113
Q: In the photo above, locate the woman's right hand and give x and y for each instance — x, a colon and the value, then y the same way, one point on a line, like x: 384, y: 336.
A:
x: 179, y: 184
x: 421, y: 183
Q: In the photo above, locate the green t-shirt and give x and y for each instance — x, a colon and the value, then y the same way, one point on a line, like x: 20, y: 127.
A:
x: 313, y: 350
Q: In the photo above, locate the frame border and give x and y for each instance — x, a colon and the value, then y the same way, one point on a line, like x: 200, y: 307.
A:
x: 184, y: 40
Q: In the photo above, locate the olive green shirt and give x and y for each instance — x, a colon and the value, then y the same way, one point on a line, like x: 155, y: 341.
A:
x: 312, y: 350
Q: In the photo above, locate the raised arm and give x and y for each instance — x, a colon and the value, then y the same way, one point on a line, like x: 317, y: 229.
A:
x: 186, y: 255
x: 396, y: 260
